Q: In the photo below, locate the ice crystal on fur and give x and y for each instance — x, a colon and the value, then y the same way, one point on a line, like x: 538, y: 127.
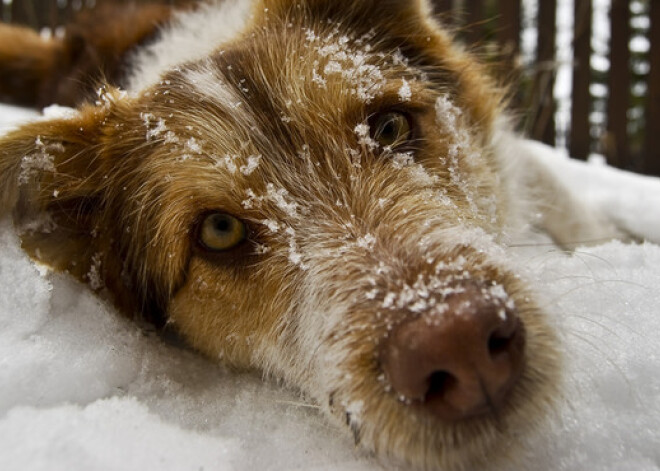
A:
x: 366, y: 242
x: 447, y: 117
x: 41, y: 160
x: 282, y: 199
x: 157, y: 131
x: 402, y: 159
x: 350, y: 60
x: 405, y: 93
x: 227, y: 162
x: 94, y: 274
x: 272, y: 226
x: 295, y: 257
x: 193, y: 146
x: 364, y: 139
x: 251, y: 165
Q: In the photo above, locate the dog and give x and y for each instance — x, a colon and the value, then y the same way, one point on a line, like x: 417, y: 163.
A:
x: 320, y: 190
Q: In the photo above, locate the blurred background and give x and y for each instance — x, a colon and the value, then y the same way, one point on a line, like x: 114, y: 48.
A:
x: 585, y: 74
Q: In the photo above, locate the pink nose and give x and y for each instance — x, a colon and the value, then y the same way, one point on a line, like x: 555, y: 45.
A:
x: 460, y: 363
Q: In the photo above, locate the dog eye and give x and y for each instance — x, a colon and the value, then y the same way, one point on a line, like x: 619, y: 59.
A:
x: 220, y: 232
x: 391, y: 129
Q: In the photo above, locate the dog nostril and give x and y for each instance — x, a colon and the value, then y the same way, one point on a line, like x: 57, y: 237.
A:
x: 498, y: 343
x: 439, y: 383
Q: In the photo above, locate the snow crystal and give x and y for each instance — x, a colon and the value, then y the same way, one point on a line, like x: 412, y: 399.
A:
x: 227, y: 162
x: 41, y: 160
x: 364, y: 139
x: 251, y: 199
x: 262, y: 249
x: 94, y: 274
x: 351, y: 60
x: 251, y: 165
x: 193, y: 146
x: 318, y: 80
x: 108, y: 97
x: 402, y: 159
x: 281, y: 198
x: 448, y: 119
x: 295, y: 256
x: 399, y: 59
x: 366, y: 242
x: 159, y: 129
x: 405, y: 93
x: 272, y: 226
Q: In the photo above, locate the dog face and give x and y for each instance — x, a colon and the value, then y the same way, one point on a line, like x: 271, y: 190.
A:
x: 318, y: 199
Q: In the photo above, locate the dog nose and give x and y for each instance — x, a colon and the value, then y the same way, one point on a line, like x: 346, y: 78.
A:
x: 458, y: 363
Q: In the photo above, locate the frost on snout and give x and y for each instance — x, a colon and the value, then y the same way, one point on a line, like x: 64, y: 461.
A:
x: 461, y: 358
x: 429, y: 337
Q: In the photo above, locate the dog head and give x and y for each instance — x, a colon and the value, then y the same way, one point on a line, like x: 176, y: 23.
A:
x: 318, y: 199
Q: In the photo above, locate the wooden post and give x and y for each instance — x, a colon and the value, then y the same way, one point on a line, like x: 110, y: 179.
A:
x: 20, y: 13
x: 34, y: 13
x: 441, y: 6
x: 544, y: 125
x: 580, y: 139
x: 652, y: 130
x: 509, y: 27
x: 443, y: 9
x: 5, y: 12
x: 508, y: 36
x: 474, y: 17
x: 617, y: 149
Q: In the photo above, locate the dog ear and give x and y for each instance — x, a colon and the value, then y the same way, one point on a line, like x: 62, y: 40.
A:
x: 50, y: 179
x: 67, y: 182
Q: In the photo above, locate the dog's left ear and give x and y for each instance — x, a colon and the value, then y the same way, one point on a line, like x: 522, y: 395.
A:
x: 50, y: 179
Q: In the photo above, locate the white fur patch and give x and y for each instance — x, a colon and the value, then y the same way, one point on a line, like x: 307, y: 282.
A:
x: 191, y: 36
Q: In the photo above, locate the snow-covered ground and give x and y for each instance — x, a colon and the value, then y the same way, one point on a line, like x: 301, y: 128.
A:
x: 83, y: 389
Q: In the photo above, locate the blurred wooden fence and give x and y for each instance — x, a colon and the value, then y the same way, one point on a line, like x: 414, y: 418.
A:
x: 628, y: 139
x: 495, y: 26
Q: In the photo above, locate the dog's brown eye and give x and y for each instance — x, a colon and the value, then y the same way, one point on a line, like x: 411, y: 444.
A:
x: 221, y: 232
x: 390, y: 129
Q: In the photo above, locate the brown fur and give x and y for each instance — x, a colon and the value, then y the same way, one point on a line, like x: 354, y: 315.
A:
x: 114, y: 196
x: 39, y: 72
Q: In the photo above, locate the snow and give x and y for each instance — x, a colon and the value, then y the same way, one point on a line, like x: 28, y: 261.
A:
x: 630, y: 200
x: 351, y: 59
x: 83, y: 388
x: 405, y: 93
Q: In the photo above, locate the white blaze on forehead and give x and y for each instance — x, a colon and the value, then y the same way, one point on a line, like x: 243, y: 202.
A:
x: 191, y: 36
